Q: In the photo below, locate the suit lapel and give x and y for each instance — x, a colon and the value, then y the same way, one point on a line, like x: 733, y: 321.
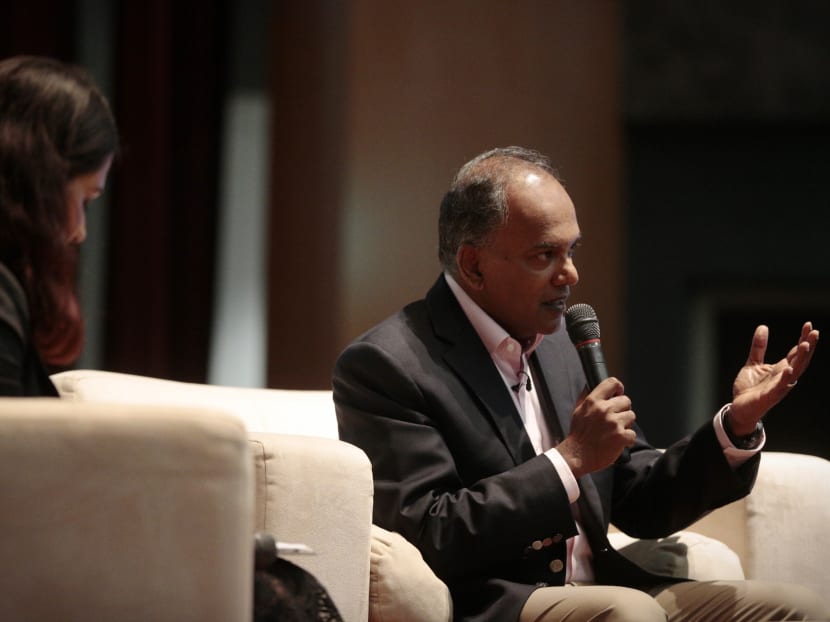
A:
x: 468, y: 358
x: 548, y: 360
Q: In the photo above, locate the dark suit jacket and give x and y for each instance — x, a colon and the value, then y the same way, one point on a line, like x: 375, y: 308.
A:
x: 455, y: 472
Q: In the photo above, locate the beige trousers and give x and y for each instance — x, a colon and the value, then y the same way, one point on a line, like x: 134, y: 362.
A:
x: 689, y: 601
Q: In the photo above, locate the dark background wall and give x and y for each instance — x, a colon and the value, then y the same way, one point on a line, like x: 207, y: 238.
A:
x: 727, y: 126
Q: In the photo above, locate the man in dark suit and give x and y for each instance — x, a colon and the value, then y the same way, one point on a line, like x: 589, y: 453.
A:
x: 492, y: 457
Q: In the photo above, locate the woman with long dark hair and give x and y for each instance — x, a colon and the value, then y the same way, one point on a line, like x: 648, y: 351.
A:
x: 57, y: 141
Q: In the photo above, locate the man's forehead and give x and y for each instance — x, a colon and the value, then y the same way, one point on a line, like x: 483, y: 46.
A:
x: 532, y: 182
x: 527, y: 175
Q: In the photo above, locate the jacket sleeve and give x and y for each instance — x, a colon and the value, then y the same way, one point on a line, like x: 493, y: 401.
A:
x: 656, y: 497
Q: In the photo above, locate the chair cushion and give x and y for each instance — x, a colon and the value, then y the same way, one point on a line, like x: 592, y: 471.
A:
x: 402, y: 588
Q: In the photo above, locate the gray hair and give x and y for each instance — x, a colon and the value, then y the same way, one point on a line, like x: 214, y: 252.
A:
x: 476, y: 203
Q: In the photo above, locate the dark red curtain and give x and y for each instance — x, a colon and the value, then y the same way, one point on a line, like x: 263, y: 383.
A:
x: 169, y: 78
x: 38, y: 27
x: 169, y: 87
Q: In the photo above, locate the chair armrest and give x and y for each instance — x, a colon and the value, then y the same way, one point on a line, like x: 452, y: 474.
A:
x: 788, y: 513
x: 780, y: 529
x: 318, y: 492
x: 116, y: 512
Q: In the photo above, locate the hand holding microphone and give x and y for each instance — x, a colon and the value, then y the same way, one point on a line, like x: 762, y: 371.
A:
x: 613, y: 406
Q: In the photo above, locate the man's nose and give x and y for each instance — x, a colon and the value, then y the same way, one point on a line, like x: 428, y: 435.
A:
x: 568, y: 275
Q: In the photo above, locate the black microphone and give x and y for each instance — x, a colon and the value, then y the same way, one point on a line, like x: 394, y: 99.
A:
x: 583, y: 329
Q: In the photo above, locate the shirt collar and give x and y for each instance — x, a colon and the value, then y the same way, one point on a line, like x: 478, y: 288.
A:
x: 497, y: 341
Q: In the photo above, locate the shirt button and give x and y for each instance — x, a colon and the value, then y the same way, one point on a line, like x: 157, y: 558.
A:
x: 556, y: 566
x: 537, y: 545
x: 511, y: 347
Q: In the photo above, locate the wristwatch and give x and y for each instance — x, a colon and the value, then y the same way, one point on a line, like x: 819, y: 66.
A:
x: 748, y: 441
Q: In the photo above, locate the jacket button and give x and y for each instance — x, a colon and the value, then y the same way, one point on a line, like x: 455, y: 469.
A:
x: 557, y: 538
x: 557, y: 566
x: 537, y: 545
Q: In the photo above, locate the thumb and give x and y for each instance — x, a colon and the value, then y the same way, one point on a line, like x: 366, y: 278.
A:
x: 759, y: 346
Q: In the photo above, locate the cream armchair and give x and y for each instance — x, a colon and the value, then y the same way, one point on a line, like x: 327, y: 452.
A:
x: 777, y: 533
x: 309, y: 487
x: 314, y: 489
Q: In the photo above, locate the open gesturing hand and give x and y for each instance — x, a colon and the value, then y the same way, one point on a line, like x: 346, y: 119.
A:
x: 759, y: 386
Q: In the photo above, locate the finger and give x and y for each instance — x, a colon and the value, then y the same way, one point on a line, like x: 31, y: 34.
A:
x: 804, y: 349
x: 805, y: 346
x: 630, y: 437
x: 626, y: 419
x: 608, y: 388
x: 808, y: 335
x: 620, y: 405
x: 812, y: 338
x: 582, y: 397
x: 801, y: 359
x: 759, y: 345
x: 788, y: 380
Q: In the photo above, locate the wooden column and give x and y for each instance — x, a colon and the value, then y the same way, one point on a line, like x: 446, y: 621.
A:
x: 307, y: 88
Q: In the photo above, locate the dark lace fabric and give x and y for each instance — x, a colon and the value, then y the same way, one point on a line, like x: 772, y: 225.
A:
x: 285, y: 592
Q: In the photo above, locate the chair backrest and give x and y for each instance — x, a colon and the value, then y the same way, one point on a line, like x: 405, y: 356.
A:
x: 262, y: 410
x: 121, y: 512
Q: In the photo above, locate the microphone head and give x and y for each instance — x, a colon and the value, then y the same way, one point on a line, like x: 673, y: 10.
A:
x: 582, y: 323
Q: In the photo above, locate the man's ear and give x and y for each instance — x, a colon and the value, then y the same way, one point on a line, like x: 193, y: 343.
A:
x: 469, y: 267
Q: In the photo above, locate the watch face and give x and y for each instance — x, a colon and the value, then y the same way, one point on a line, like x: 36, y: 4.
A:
x: 750, y: 441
